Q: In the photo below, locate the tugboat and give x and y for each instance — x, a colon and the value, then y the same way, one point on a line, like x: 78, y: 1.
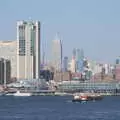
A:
x: 79, y: 97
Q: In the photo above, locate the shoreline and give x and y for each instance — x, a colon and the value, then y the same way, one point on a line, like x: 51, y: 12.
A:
x: 55, y: 94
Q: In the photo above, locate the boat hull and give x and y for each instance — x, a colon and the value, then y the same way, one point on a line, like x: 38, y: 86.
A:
x: 79, y: 100
x: 22, y: 95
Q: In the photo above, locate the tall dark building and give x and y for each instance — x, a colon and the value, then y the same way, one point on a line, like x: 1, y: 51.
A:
x: 5, y: 71
x: 65, y: 64
x: 117, y: 61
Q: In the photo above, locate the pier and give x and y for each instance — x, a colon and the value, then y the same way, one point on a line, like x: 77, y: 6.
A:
x: 104, y: 88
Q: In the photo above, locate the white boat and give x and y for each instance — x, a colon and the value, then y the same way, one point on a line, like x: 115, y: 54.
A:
x: 18, y: 93
x: 60, y: 93
x: 9, y: 94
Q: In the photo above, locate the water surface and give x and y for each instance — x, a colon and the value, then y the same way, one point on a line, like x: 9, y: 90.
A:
x: 58, y: 108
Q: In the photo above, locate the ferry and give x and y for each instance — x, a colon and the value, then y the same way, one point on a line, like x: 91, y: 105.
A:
x: 18, y: 93
x: 78, y: 97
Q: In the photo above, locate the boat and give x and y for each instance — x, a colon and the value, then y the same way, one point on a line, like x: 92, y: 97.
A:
x: 78, y: 97
x: 18, y: 93
x: 60, y: 94
x: 10, y: 93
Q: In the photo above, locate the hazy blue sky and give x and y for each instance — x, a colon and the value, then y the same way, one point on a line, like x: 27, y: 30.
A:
x: 93, y: 25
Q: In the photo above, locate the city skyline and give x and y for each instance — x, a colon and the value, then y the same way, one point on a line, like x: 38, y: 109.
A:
x: 91, y: 25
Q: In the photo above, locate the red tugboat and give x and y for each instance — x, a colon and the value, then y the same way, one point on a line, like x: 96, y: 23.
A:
x: 78, y: 97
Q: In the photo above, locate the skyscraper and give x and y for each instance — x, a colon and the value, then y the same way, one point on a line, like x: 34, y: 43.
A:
x: 117, y: 60
x: 79, y: 60
x: 57, y: 54
x: 5, y: 71
x: 74, y: 53
x: 65, y: 64
x: 28, y: 49
x: 79, y: 54
x: 72, y: 65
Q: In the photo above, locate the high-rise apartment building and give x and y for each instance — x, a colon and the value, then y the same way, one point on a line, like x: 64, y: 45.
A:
x: 8, y: 50
x: 28, y: 50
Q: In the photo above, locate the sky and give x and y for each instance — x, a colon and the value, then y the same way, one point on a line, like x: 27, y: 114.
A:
x: 93, y: 25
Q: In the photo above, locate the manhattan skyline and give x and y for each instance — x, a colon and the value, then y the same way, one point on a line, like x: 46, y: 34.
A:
x: 91, y: 25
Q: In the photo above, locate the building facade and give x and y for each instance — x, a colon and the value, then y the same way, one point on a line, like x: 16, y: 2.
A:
x: 57, y: 55
x: 28, y: 50
x: 8, y: 50
x: 72, y: 65
x: 5, y: 71
x: 65, y: 64
x: 79, y: 60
